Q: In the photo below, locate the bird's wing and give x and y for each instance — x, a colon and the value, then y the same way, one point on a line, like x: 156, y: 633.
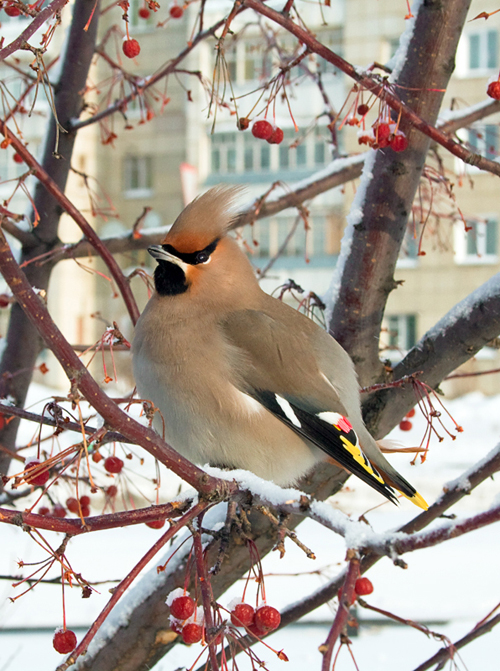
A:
x: 281, y: 371
x: 282, y: 357
x: 329, y: 431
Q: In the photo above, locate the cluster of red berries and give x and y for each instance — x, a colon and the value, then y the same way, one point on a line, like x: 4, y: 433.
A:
x: 184, y: 616
x: 263, y: 130
x: 384, y: 135
x: 175, y: 11
x: 72, y: 504
x: 188, y: 622
x: 405, y: 424
x: 257, y: 622
x: 64, y: 641
x: 493, y: 90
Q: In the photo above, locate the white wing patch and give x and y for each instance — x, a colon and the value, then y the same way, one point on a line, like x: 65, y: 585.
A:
x: 330, y: 417
x: 288, y: 410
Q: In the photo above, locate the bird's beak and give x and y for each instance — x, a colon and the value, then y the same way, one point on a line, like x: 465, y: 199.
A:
x: 158, y: 253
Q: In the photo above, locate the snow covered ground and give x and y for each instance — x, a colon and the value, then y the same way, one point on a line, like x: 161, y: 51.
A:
x: 453, y: 585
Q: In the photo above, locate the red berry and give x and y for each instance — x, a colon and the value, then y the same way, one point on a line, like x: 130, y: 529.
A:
x: 192, y: 633
x: 156, y: 524
x: 4, y: 300
x: 18, y: 158
x: 43, y: 510
x: 399, y: 143
x: 40, y: 477
x: 58, y: 511
x: 243, y: 123
x: 182, y: 607
x: 72, y: 505
x: 131, y: 48
x: 242, y: 615
x: 96, y: 457
x: 112, y: 491
x: 85, y: 500
x: 113, y: 464
x: 262, y: 129
x: 405, y: 425
x: 363, y: 109
x: 10, y: 10
x: 383, y: 131
x: 144, y: 13
x: 176, y: 626
x: 64, y: 641
x: 276, y: 136
x: 267, y: 618
x: 176, y: 12
x: 85, y: 511
x: 411, y: 413
x: 493, y: 89
x: 256, y: 631
x: 363, y: 586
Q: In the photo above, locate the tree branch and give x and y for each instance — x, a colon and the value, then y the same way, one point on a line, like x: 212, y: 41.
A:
x: 447, y: 653
x: 38, y: 21
x: 458, y: 336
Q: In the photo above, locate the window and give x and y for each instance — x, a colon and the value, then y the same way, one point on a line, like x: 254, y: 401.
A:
x: 484, y: 140
x: 271, y: 234
x: 257, y: 62
x: 400, y: 333
x: 479, y: 244
x: 481, y: 52
x: 224, y: 153
x: 138, y: 176
x: 240, y: 152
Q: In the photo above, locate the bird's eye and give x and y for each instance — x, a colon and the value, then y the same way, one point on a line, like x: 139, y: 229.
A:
x: 202, y: 257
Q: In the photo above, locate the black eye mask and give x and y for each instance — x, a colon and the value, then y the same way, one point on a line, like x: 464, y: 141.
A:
x: 193, y: 258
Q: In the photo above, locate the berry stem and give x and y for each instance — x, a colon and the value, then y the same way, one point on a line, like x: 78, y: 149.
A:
x: 63, y: 599
x: 206, y: 594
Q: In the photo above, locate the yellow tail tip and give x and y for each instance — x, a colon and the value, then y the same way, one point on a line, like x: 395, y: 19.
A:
x: 418, y: 501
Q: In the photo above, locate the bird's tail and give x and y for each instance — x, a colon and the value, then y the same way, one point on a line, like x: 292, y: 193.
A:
x: 394, y: 479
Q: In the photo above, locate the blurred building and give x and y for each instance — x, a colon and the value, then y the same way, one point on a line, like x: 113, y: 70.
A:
x: 148, y: 160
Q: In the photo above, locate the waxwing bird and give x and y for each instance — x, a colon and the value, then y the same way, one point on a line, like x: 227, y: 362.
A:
x: 240, y: 379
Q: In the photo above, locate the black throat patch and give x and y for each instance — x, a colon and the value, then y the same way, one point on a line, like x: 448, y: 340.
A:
x: 170, y: 280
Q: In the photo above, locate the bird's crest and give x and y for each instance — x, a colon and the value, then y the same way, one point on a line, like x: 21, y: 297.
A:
x: 207, y: 218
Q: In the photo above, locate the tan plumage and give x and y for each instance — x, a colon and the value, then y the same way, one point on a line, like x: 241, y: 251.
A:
x: 241, y: 379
